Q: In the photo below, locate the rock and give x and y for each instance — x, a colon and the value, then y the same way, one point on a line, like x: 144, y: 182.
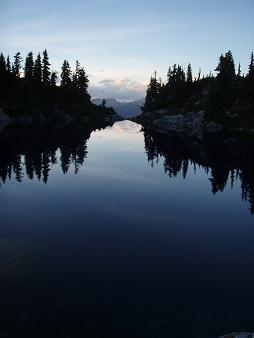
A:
x: 214, y: 127
x: 239, y: 335
x: 191, y: 124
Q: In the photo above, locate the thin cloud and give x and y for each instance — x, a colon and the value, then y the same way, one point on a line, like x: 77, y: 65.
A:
x: 120, y: 89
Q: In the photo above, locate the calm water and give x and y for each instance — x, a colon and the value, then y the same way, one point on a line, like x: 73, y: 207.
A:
x: 125, y: 234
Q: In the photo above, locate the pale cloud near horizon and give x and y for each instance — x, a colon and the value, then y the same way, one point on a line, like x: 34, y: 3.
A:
x: 120, y: 89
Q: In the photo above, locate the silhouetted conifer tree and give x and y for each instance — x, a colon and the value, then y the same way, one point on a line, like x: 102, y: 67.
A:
x: 251, y: 67
x: 17, y: 64
x: 53, y: 79
x: 75, y: 75
x: 169, y: 74
x: 45, y: 68
x: 82, y: 80
x: 199, y: 74
x: 8, y: 64
x: 29, y: 66
x: 2, y: 65
x: 226, y: 70
x: 239, y: 72
x: 38, y: 69
x: 189, y: 73
x: 152, y: 94
x: 66, y: 74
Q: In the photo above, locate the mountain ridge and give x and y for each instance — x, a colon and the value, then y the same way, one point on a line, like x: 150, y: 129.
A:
x: 124, y: 109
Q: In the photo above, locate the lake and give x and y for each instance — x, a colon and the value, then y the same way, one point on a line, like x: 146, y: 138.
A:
x: 121, y: 232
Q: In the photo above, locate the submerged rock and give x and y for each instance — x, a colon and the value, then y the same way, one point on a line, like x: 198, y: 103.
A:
x: 239, y: 335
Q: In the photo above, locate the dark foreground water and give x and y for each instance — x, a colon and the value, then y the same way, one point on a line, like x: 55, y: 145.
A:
x: 125, y: 234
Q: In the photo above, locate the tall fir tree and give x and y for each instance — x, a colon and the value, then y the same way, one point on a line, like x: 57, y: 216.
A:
x: 189, y: 73
x: 152, y: 94
x: 239, y: 72
x: 82, y: 81
x: 45, y: 68
x: 8, y: 65
x: 66, y: 74
x: 2, y: 65
x: 251, y: 67
x: 226, y: 70
x: 53, y: 79
x: 38, y: 69
x: 75, y: 74
x: 17, y: 64
x: 169, y: 73
x: 29, y: 66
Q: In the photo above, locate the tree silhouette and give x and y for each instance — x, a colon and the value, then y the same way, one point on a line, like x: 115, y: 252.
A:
x: 2, y: 65
x: 29, y: 66
x: 17, y: 64
x: 82, y: 81
x: 103, y: 103
x: 152, y: 94
x: 45, y: 68
x: 226, y: 70
x: 38, y: 69
x: 66, y: 74
x: 8, y: 65
x: 251, y: 67
x: 53, y: 79
x: 189, y: 73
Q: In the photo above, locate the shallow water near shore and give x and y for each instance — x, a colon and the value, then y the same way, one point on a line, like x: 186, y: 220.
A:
x: 124, y: 233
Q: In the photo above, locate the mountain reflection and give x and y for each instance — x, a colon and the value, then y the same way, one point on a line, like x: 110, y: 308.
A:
x: 224, y: 159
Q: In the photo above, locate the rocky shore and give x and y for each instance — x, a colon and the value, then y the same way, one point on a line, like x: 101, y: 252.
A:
x: 194, y: 124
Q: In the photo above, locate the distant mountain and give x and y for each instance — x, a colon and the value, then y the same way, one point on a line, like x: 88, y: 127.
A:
x: 124, y: 109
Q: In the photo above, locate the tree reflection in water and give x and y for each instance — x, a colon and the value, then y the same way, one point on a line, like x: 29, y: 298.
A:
x: 223, y: 158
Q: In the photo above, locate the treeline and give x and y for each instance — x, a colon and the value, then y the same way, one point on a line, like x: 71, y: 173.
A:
x: 31, y: 86
x: 211, y: 93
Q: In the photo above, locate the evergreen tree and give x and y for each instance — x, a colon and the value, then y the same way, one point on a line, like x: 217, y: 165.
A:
x: 2, y: 65
x: 226, y: 70
x: 17, y: 64
x: 45, y: 68
x: 169, y: 74
x: 82, y: 81
x: 29, y: 66
x: 251, y: 67
x: 103, y: 104
x: 53, y: 79
x: 172, y: 78
x: 239, y: 72
x: 75, y: 75
x: 180, y: 75
x: 152, y: 94
x: 199, y: 74
x: 37, y: 69
x: 66, y: 74
x: 8, y: 64
x: 189, y: 73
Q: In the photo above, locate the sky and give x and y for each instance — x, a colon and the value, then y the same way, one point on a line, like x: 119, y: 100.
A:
x: 120, y: 43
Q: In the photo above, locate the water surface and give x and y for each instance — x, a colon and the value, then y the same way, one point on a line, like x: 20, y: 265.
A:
x: 125, y: 233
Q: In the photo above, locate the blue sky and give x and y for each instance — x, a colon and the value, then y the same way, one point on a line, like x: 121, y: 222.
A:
x: 121, y: 43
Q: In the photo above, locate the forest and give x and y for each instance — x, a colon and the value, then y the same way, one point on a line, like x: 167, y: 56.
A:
x: 30, y: 87
x: 226, y: 95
